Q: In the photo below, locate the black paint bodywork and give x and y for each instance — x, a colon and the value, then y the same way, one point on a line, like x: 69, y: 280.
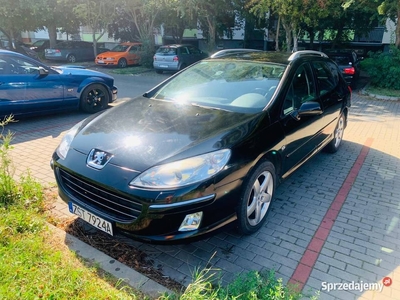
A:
x: 144, y: 132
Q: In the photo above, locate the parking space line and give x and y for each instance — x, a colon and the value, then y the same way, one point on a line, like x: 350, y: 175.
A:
x: 310, y: 256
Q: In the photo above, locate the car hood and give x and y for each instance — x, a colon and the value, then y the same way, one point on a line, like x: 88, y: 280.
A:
x: 79, y: 70
x: 111, y: 54
x: 143, y: 132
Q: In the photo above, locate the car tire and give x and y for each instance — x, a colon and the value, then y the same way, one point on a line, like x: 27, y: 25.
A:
x: 256, y: 197
x: 71, y: 58
x: 94, y: 98
x: 334, y: 145
x: 159, y: 71
x: 122, y: 63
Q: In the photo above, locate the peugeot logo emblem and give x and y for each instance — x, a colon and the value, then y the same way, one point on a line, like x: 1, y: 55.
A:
x: 98, y: 158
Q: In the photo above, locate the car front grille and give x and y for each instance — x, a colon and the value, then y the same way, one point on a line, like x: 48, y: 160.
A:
x: 116, y: 207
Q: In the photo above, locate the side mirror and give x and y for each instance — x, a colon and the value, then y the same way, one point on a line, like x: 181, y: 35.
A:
x: 43, y: 71
x: 310, y: 108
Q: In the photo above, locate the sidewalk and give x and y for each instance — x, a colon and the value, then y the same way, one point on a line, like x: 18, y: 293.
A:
x: 335, y: 220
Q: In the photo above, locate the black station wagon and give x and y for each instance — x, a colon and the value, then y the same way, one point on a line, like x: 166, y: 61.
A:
x: 205, y: 148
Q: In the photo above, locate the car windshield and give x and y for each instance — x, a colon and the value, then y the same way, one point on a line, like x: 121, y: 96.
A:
x: 119, y: 48
x: 38, y: 43
x: 234, y: 85
x: 166, y: 50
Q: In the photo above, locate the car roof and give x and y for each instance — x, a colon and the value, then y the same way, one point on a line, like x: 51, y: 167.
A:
x: 175, y: 45
x: 270, y: 56
x: 130, y: 43
x: 3, y: 51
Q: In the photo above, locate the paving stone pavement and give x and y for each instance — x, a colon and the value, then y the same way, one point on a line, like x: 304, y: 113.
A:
x: 363, y: 245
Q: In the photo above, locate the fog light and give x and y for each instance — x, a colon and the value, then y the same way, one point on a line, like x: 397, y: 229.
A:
x: 191, y: 221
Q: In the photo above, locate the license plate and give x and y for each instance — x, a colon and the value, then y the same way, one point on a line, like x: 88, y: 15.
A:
x: 163, y: 66
x: 100, y: 61
x: 91, y: 218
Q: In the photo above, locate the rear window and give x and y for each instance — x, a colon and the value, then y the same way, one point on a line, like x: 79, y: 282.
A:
x: 341, y: 59
x: 166, y: 50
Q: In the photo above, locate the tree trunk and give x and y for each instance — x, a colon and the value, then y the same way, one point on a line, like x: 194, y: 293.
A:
x: 295, y: 41
x: 212, y: 29
x: 288, y: 31
x: 52, y: 30
x: 94, y: 41
x: 398, y: 28
x: 312, y: 36
x: 277, y: 34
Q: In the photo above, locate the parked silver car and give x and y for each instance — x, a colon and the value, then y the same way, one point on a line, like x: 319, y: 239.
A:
x: 176, y: 57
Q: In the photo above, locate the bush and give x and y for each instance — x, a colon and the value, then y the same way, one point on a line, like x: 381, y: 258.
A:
x: 383, y: 68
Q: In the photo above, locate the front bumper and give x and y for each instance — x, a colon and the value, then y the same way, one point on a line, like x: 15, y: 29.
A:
x: 148, y: 215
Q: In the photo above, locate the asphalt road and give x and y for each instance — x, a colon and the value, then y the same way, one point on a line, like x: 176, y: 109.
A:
x: 130, y: 86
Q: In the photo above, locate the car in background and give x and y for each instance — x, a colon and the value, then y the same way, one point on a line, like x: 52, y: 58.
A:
x: 122, y: 55
x: 176, y: 57
x: 41, y: 45
x: 29, y: 87
x: 232, y: 52
x: 205, y: 148
x: 19, y: 47
x: 349, y: 62
x: 72, y: 51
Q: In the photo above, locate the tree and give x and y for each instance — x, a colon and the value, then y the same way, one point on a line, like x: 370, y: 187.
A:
x: 213, y: 17
x: 56, y: 15
x: 97, y: 14
x: 391, y: 9
x: 175, y: 19
x: 15, y: 17
x: 290, y: 14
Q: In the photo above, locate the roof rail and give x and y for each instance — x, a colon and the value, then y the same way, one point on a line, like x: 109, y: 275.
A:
x: 297, y: 54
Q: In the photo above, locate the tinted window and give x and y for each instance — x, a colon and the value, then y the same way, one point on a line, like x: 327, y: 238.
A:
x: 194, y: 50
x: 65, y: 45
x: 301, y: 90
x: 184, y: 50
x: 166, y: 50
x: 327, y: 76
x: 341, y: 59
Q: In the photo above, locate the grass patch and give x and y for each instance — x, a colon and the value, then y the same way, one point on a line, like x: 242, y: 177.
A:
x: 382, y: 91
x: 131, y: 70
x: 251, y: 285
x: 34, y: 263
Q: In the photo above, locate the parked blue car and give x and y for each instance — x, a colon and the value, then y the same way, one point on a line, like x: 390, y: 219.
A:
x: 29, y: 87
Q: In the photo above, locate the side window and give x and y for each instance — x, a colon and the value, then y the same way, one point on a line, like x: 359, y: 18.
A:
x: 17, y: 66
x: 134, y: 49
x: 327, y: 76
x: 184, y: 50
x: 193, y: 50
x: 301, y: 90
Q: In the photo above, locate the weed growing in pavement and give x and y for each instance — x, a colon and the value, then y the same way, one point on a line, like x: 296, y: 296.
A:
x: 251, y: 285
x: 8, y: 186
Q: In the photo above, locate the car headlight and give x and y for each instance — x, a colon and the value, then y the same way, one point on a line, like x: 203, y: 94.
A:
x: 62, y: 149
x: 183, y: 172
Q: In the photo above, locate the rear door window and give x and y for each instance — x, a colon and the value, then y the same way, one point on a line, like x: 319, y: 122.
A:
x: 327, y: 76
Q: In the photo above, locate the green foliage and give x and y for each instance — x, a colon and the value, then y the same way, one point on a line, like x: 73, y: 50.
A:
x: 383, y: 68
x: 8, y: 185
x: 252, y: 286
x: 33, y: 263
